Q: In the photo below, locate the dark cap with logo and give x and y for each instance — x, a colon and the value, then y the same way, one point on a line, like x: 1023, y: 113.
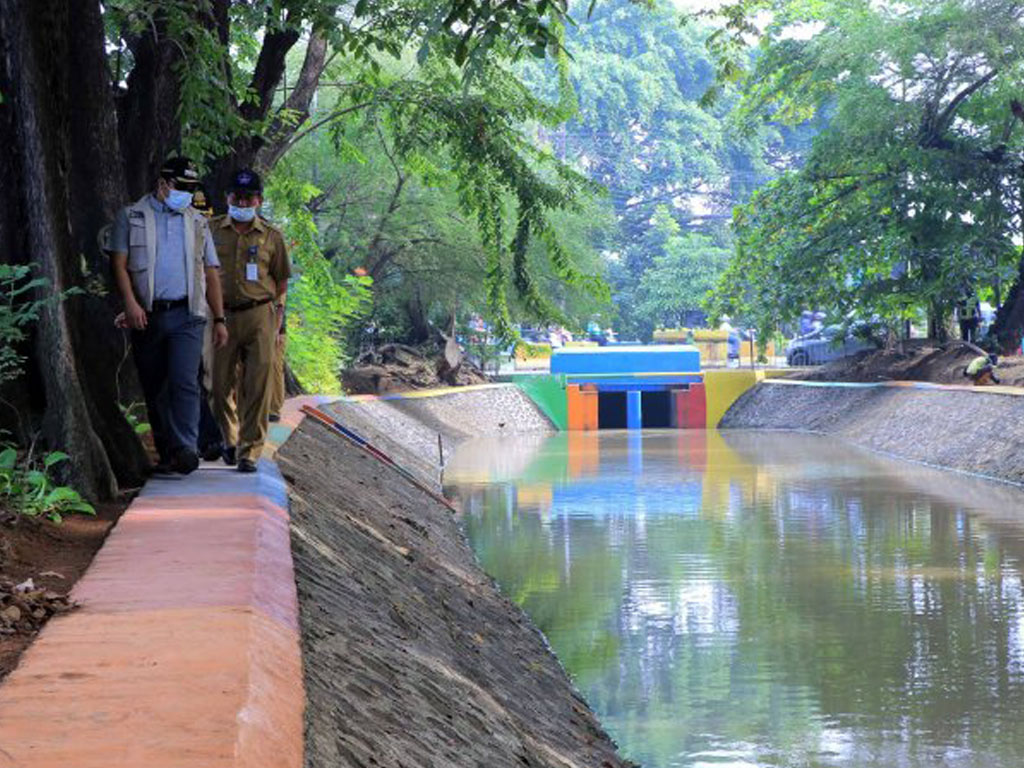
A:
x: 181, y: 171
x: 247, y: 180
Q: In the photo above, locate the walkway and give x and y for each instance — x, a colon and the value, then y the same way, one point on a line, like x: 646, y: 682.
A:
x: 185, y: 651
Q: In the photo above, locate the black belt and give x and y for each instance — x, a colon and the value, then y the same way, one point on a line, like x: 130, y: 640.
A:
x: 162, y: 305
x: 246, y: 305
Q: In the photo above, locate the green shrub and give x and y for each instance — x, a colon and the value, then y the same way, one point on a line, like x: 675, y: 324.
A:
x: 17, y: 311
x: 27, y: 489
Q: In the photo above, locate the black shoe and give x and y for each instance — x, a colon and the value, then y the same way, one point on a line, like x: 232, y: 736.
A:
x: 274, y: 417
x: 212, y: 452
x: 161, y: 468
x: 246, y: 465
x: 228, y: 454
x: 185, y: 461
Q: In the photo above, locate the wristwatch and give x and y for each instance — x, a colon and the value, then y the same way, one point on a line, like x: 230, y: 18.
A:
x: 220, y: 320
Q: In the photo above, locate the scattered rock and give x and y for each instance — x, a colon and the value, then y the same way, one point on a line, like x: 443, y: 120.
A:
x: 24, y: 608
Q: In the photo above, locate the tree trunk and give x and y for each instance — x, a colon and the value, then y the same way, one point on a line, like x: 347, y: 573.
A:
x: 418, y: 323
x: 1009, y: 325
x: 147, y: 112
x: 46, y: 55
x: 98, y: 190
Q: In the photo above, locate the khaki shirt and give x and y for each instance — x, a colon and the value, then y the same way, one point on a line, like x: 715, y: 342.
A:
x: 262, y: 245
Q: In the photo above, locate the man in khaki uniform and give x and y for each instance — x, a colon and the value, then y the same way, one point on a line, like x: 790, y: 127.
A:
x: 254, y: 271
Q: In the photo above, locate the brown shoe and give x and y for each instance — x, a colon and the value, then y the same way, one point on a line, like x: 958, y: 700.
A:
x: 246, y: 465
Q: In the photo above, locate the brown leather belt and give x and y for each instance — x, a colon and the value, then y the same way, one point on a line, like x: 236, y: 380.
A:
x: 247, y: 305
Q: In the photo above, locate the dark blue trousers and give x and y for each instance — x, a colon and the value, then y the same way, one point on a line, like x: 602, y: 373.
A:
x: 167, y: 357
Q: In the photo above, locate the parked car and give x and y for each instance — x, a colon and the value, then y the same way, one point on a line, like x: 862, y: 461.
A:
x: 826, y: 344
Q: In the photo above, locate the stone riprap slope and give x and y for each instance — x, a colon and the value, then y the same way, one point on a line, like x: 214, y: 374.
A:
x: 968, y: 430
x: 412, y: 656
x: 407, y: 428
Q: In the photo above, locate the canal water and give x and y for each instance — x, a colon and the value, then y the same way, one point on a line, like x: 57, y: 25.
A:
x: 763, y: 599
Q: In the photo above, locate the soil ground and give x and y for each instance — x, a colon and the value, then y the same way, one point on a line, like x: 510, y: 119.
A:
x: 53, y: 557
x: 915, y: 360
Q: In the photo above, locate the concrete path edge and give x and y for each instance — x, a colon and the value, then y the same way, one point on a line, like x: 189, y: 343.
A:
x: 185, y: 649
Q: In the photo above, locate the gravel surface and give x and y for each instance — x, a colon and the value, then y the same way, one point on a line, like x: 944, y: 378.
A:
x: 412, y: 657
x: 976, y: 432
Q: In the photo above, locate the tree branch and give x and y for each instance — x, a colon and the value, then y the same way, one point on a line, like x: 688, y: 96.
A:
x: 269, y: 70
x: 295, y: 110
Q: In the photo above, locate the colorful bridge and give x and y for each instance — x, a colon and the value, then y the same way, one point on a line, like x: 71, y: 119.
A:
x: 637, y: 387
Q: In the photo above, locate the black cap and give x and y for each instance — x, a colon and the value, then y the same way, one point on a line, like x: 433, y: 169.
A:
x: 247, y: 180
x: 181, y: 171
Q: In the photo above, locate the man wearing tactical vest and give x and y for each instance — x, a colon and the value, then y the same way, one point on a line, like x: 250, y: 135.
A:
x: 165, y: 267
x: 255, y: 269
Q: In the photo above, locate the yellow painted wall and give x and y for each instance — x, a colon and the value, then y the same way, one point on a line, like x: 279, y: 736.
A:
x: 723, y: 387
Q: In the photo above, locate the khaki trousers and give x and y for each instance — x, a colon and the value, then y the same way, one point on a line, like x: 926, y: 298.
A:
x: 277, y: 376
x: 241, y: 375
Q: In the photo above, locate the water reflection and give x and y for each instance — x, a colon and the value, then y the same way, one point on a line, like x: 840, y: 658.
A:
x: 763, y: 599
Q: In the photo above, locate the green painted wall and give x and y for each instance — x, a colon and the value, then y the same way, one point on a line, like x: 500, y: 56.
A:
x: 548, y: 393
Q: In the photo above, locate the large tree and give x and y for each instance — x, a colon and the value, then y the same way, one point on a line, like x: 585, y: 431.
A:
x: 95, y: 96
x: 642, y: 131
x: 911, y: 199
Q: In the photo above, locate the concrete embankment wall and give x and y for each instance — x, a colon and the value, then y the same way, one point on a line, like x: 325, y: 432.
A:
x: 406, y: 427
x: 411, y: 654
x: 971, y: 430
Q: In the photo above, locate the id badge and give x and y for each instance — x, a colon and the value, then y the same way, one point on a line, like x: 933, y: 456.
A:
x: 252, y: 272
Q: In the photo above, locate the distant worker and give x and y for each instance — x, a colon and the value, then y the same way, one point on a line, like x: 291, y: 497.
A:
x: 981, y: 370
x: 806, y: 322
x: 256, y: 268
x: 817, y: 321
x: 732, y: 342
x: 968, y: 314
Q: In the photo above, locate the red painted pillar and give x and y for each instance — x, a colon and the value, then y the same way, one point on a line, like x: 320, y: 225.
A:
x: 696, y: 408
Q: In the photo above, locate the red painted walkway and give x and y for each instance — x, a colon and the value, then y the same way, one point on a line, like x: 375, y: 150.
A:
x: 185, y: 650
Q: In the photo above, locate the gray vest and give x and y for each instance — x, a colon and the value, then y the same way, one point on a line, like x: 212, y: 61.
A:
x: 142, y: 254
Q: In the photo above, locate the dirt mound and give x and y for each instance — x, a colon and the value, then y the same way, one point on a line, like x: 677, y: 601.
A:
x: 400, y: 368
x: 918, y: 360
x: 39, y: 563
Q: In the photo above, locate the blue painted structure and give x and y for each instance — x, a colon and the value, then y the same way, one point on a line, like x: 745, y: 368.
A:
x: 579, y: 362
x: 633, y: 370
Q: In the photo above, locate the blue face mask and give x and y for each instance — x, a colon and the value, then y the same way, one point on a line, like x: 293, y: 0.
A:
x: 241, y: 214
x: 178, y: 199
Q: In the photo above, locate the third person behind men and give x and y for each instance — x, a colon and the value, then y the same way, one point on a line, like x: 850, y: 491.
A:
x: 254, y: 272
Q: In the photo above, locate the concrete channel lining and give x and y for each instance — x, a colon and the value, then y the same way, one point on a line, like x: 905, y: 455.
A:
x: 969, y: 429
x: 412, y: 654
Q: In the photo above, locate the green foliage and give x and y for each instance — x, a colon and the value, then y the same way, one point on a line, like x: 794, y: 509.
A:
x: 320, y: 302
x: 681, y: 276
x: 137, y: 423
x: 641, y: 132
x: 17, y: 312
x: 27, y: 489
x: 438, y: 189
x: 910, y: 198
